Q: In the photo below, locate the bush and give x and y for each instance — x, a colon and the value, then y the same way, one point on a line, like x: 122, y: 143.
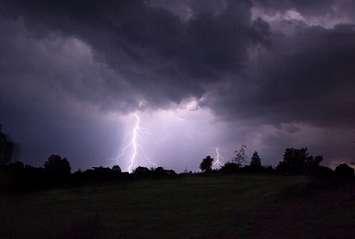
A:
x: 57, y: 167
x: 206, y: 164
x: 230, y: 168
x: 344, y: 171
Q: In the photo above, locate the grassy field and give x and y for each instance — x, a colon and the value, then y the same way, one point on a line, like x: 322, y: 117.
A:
x: 190, y: 207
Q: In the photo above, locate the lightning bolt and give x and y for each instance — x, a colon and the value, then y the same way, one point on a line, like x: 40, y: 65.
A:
x: 134, y: 142
x: 133, y: 149
x: 217, y: 162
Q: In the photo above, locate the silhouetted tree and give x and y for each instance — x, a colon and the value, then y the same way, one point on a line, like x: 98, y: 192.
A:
x: 6, y: 148
x: 161, y: 172
x: 206, y: 164
x: 141, y: 171
x: 255, y: 162
x: 16, y: 166
x: 312, y: 163
x: 230, y: 167
x: 345, y: 171
x: 116, y: 169
x: 239, y: 158
x: 323, y: 172
x: 298, y: 161
x: 158, y: 172
x: 102, y: 172
x: 57, y: 167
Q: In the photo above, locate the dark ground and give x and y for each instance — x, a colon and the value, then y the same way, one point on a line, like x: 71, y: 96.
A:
x: 190, y: 207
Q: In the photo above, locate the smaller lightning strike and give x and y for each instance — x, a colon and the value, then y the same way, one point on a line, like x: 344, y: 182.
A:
x: 217, y: 163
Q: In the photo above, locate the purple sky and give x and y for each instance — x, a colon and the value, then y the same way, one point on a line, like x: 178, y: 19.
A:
x: 201, y: 75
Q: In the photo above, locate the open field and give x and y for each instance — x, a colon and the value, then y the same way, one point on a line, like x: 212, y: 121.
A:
x: 189, y: 207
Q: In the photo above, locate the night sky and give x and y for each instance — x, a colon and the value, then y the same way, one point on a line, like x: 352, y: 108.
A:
x: 200, y: 74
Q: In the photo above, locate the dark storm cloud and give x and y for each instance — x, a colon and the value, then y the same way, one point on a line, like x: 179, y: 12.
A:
x: 305, y: 77
x: 314, y: 7
x: 162, y: 57
x: 36, y: 111
x: 318, y: 12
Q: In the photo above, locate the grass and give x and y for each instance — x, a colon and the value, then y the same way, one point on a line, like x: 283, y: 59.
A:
x: 190, y: 207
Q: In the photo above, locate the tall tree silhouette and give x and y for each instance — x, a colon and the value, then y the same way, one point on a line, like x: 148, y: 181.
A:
x: 57, y: 167
x: 255, y: 162
x: 116, y: 168
x: 239, y: 158
x: 299, y: 161
x: 206, y: 164
x: 6, y: 148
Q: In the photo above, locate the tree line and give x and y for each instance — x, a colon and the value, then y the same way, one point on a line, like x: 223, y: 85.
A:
x: 295, y: 162
x: 56, y: 170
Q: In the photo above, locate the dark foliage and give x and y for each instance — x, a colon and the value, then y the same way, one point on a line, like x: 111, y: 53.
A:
x: 96, y: 175
x: 255, y: 161
x: 323, y: 172
x: 206, y: 164
x: 159, y: 172
x: 57, y: 171
x: 255, y: 164
x: 257, y: 170
x: 344, y: 171
x: 298, y: 161
x: 6, y: 148
x: 239, y: 158
x: 116, y: 168
x: 230, y: 167
x: 57, y: 167
x: 141, y: 171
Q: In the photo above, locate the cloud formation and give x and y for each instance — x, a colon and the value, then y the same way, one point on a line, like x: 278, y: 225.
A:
x: 282, y: 67
x: 148, y: 46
